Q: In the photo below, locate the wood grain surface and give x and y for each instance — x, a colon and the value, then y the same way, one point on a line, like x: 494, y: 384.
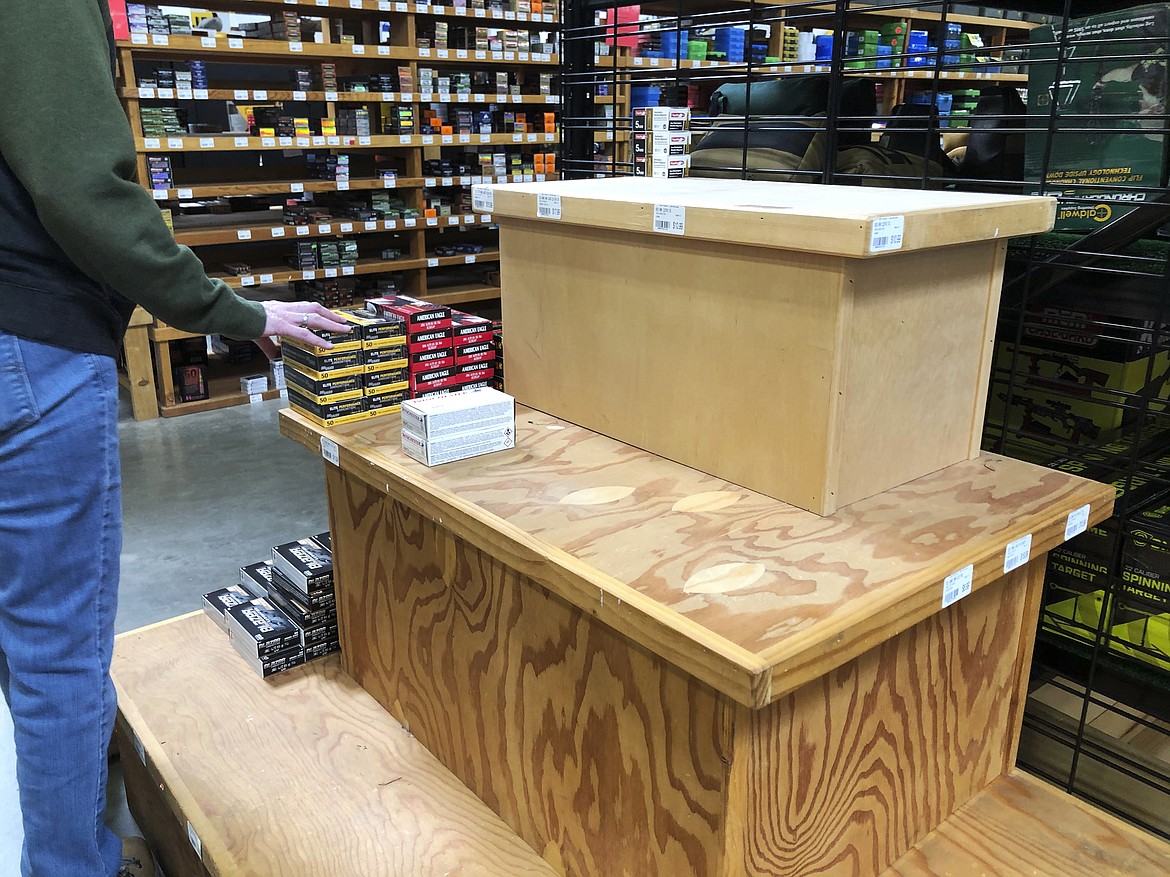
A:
x: 303, y: 774
x: 844, y: 775
x: 1020, y: 825
x: 790, y: 216
x: 600, y: 754
x: 831, y: 587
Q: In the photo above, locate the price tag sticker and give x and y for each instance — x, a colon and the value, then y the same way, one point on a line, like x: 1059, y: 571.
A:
x: 886, y: 234
x: 540, y: 178
x: 364, y: 141
x: 428, y: 139
x: 303, y: 231
x: 480, y: 54
x: 200, y: 94
x: 268, y: 142
x: 333, y: 140
x: 206, y: 142
x: 260, y: 95
x: 330, y: 272
x: 345, y: 227
x: 146, y: 92
x: 1078, y: 522
x: 324, y: 228
x: 465, y: 181
x: 432, y: 263
x: 277, y: 231
x: 464, y: 138
x: 358, y: 49
x: 300, y: 95
x: 322, y: 2
x: 296, y: 187
x: 670, y: 219
x: 355, y: 4
x: 193, y: 838
x: 240, y: 94
x: 235, y: 43
x: 486, y: 218
x: 185, y: 194
x: 441, y: 53
x: 1017, y: 553
x: 255, y: 398
x: 469, y: 218
x: 244, y: 234
x: 405, y: 139
x: 469, y: 260
x: 152, y: 143
x: 390, y: 182
x: 248, y: 280
x: 439, y: 10
x: 329, y: 451
x: 497, y: 56
x: 461, y: 54
x: 318, y: 140
x: 371, y: 226
x: 304, y: 141
x: 481, y: 13
x: 509, y: 15
x: 138, y: 39
x: 389, y: 224
x: 549, y: 138
x: 432, y: 221
x: 517, y: 138
x: 308, y: 275
x: 452, y: 220
x: 160, y: 39
x: 384, y: 50
x: 295, y: 46
x: 957, y: 585
x: 385, y: 5
x: 552, y: 98
x: 241, y: 141
x: 331, y: 96
x: 483, y: 198
x: 547, y: 206
x: 429, y: 182
x: 265, y: 278
x: 400, y: 7
x: 531, y: 138
x: 424, y: 53
x: 448, y: 138
x: 182, y: 94
x: 410, y: 223
x: 159, y: 194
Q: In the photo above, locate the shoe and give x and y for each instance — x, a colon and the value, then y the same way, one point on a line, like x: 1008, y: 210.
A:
x: 136, y: 859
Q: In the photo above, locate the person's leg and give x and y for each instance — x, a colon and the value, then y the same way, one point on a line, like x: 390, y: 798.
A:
x: 60, y: 541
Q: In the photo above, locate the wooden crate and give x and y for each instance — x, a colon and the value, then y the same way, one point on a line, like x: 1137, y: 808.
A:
x: 775, y: 342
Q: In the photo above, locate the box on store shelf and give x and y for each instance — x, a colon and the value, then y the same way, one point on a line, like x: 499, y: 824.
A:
x: 1117, y: 71
x: 252, y: 384
x: 661, y: 119
x: 449, y: 427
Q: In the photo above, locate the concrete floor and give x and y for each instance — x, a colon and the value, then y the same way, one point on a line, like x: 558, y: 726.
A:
x: 203, y: 495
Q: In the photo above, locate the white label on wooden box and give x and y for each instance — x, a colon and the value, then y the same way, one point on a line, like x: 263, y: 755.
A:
x: 886, y: 234
x: 296, y: 187
x: 244, y: 234
x: 330, y: 272
x: 277, y: 231
x: 308, y: 275
x: 329, y: 451
x: 324, y: 228
x: 1017, y: 553
x: 139, y: 748
x: 548, y: 206
x: 269, y: 142
x: 207, y: 42
x: 160, y: 194
x: 432, y: 221
x: 265, y: 278
x: 160, y: 39
x: 957, y: 585
x: 248, y: 280
x: 410, y: 223
x: 241, y: 141
x: 235, y: 43
x: 138, y: 39
x: 670, y: 219
x: 166, y: 92
x: 1078, y: 522
x: 196, y: 843
x: 300, y: 95
x: 240, y: 94
x: 185, y: 193
x: 371, y: 225
x: 469, y: 260
x: 294, y: 46
x: 152, y: 143
x: 302, y: 230
x: 345, y: 227
x: 146, y: 92
x: 260, y: 95
x: 359, y: 49
x: 347, y: 270
x: 206, y: 142
x: 483, y: 198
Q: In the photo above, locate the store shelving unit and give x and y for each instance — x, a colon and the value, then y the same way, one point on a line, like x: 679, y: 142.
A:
x: 1097, y: 721
x: 251, y: 172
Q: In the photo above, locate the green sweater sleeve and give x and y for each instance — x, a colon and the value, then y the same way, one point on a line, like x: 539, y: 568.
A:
x: 65, y: 136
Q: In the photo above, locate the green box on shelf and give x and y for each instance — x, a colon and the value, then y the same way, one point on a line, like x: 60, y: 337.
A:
x: 1114, y: 85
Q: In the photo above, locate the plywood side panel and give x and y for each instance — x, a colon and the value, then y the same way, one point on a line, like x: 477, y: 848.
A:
x: 597, y: 753
x: 850, y: 771
x: 718, y: 357
x: 916, y: 354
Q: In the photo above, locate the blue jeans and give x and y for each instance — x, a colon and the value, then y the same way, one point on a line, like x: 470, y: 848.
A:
x: 60, y: 541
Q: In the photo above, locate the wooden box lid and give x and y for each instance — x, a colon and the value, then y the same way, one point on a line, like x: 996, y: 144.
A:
x: 851, y: 221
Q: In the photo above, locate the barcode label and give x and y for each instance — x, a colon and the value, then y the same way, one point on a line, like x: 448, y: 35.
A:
x: 547, y: 206
x: 255, y: 398
x: 669, y: 219
x: 244, y: 234
x: 886, y: 234
x: 139, y: 748
x: 957, y: 585
x: 1017, y: 553
x: 483, y: 198
x: 196, y: 843
x: 1078, y: 522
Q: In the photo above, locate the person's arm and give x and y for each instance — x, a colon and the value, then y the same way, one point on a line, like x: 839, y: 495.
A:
x: 66, y: 137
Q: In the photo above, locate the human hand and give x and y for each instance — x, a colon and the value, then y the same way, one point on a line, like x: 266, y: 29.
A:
x: 296, y: 320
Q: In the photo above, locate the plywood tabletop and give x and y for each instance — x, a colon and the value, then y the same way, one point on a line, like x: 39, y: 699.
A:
x: 301, y: 775
x: 751, y: 595
x: 833, y: 220
x: 1021, y: 825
